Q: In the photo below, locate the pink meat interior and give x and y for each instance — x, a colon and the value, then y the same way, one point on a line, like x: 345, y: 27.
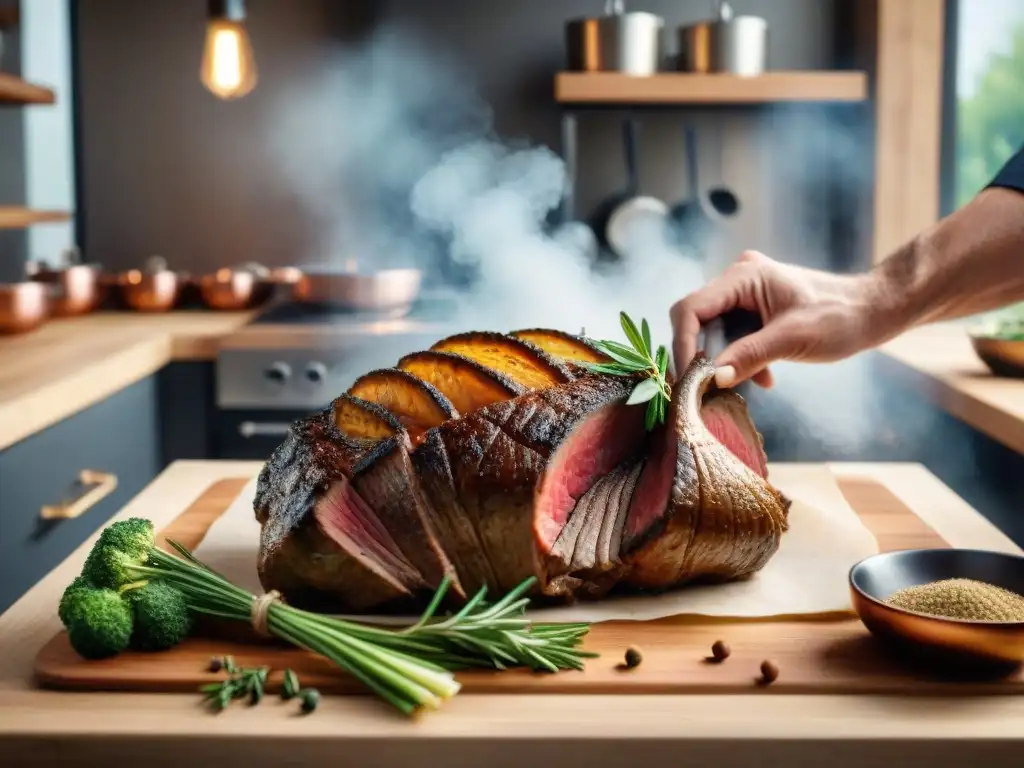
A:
x: 605, y: 438
x: 347, y: 519
x: 723, y: 426
x: 650, y: 498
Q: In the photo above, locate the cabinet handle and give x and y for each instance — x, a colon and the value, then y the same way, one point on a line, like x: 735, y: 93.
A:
x: 263, y: 429
x: 98, y: 485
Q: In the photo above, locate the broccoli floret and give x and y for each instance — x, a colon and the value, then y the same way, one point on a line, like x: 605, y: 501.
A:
x: 162, y: 618
x: 69, y: 600
x: 99, y: 623
x: 133, y: 536
x: 110, y: 568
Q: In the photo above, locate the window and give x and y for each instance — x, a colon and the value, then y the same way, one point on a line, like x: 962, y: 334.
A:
x: 989, y: 92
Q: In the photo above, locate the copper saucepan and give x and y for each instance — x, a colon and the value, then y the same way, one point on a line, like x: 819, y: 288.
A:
x: 23, y: 306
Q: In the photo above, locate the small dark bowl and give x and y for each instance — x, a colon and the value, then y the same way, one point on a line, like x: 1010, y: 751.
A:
x: 956, y: 646
x: 1004, y: 357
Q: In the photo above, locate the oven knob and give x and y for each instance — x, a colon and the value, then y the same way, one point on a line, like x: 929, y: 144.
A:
x: 316, y: 373
x: 278, y: 373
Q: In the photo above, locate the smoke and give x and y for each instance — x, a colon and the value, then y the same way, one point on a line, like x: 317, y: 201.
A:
x: 396, y: 162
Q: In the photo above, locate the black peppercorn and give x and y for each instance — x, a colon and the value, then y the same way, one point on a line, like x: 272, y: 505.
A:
x: 769, y: 672
x: 215, y: 664
x: 633, y: 657
x: 720, y: 651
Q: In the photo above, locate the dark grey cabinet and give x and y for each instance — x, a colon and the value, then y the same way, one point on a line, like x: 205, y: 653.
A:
x: 118, y: 436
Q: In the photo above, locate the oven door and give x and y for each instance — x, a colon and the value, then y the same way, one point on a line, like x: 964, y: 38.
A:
x: 252, y: 434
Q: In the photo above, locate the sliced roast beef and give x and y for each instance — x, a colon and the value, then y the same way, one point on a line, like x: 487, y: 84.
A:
x: 699, y: 512
x: 318, y: 536
x: 726, y: 416
x: 388, y: 483
x: 508, y: 475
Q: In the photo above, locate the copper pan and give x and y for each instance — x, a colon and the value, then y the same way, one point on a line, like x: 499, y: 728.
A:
x: 23, y: 306
x: 75, y: 289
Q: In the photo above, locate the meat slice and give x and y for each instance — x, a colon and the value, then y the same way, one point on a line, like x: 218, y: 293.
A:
x: 414, y: 403
x: 466, y: 383
x: 561, y: 345
x: 726, y: 416
x: 521, y: 361
x: 389, y: 485
x: 362, y: 419
x: 699, y: 512
x: 320, y: 542
x: 505, y: 477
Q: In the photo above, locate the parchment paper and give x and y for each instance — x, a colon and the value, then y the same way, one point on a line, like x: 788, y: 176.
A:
x: 806, y: 577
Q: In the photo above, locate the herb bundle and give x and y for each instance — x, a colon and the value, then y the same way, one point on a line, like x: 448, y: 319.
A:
x: 408, y: 667
x: 640, y: 357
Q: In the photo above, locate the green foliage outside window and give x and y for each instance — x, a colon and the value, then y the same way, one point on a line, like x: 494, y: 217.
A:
x: 990, y: 123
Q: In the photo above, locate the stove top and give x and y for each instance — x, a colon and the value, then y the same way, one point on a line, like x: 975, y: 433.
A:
x: 426, y: 309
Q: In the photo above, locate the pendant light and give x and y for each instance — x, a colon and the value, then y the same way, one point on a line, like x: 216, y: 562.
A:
x: 229, y: 68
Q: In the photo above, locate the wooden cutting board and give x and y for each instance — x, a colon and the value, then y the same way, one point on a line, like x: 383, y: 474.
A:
x: 831, y: 655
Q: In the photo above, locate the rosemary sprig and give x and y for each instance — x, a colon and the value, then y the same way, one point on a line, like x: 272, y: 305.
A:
x: 640, y: 357
x: 410, y: 668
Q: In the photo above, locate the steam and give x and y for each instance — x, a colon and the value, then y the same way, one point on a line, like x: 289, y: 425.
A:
x: 395, y: 162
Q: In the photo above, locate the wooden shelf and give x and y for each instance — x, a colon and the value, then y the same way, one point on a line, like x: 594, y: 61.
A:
x: 15, y: 217
x: 14, y: 90
x: 681, y: 88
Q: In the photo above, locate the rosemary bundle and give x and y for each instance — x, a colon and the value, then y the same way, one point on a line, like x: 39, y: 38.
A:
x: 639, y: 357
x: 410, y: 667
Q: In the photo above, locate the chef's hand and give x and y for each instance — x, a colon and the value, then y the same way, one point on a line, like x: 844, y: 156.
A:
x: 806, y: 315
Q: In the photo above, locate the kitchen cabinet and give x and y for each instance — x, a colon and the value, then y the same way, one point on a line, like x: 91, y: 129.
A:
x: 118, y: 436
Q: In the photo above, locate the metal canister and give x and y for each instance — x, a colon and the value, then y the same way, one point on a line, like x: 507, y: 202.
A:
x: 618, y: 41
x: 728, y: 44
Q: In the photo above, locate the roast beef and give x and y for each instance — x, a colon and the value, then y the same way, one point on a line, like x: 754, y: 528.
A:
x: 503, y: 479
x: 561, y: 482
x: 318, y: 537
x: 699, y: 512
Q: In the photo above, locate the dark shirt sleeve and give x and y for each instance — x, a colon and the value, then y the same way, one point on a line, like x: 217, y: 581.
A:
x: 1012, y: 174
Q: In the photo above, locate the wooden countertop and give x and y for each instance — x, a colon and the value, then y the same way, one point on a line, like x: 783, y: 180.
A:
x: 68, y: 365
x: 724, y: 730
x: 940, y: 362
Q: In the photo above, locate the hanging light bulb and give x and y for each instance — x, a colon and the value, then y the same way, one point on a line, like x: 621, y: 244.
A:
x: 229, y: 67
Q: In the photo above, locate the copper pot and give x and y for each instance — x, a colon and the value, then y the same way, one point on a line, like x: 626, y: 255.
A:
x: 228, y: 289
x: 76, y: 289
x: 155, y: 291
x: 23, y: 306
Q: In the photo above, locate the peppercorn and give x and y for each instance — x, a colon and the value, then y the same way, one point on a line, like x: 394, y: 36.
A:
x: 310, y: 698
x: 215, y: 664
x: 720, y: 651
x: 633, y: 657
x: 769, y: 672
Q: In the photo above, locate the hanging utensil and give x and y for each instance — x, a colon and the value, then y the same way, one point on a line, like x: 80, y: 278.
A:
x: 635, y: 214
x: 695, y: 216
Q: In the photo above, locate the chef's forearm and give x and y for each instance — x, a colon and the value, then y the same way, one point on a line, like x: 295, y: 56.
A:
x: 972, y: 261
